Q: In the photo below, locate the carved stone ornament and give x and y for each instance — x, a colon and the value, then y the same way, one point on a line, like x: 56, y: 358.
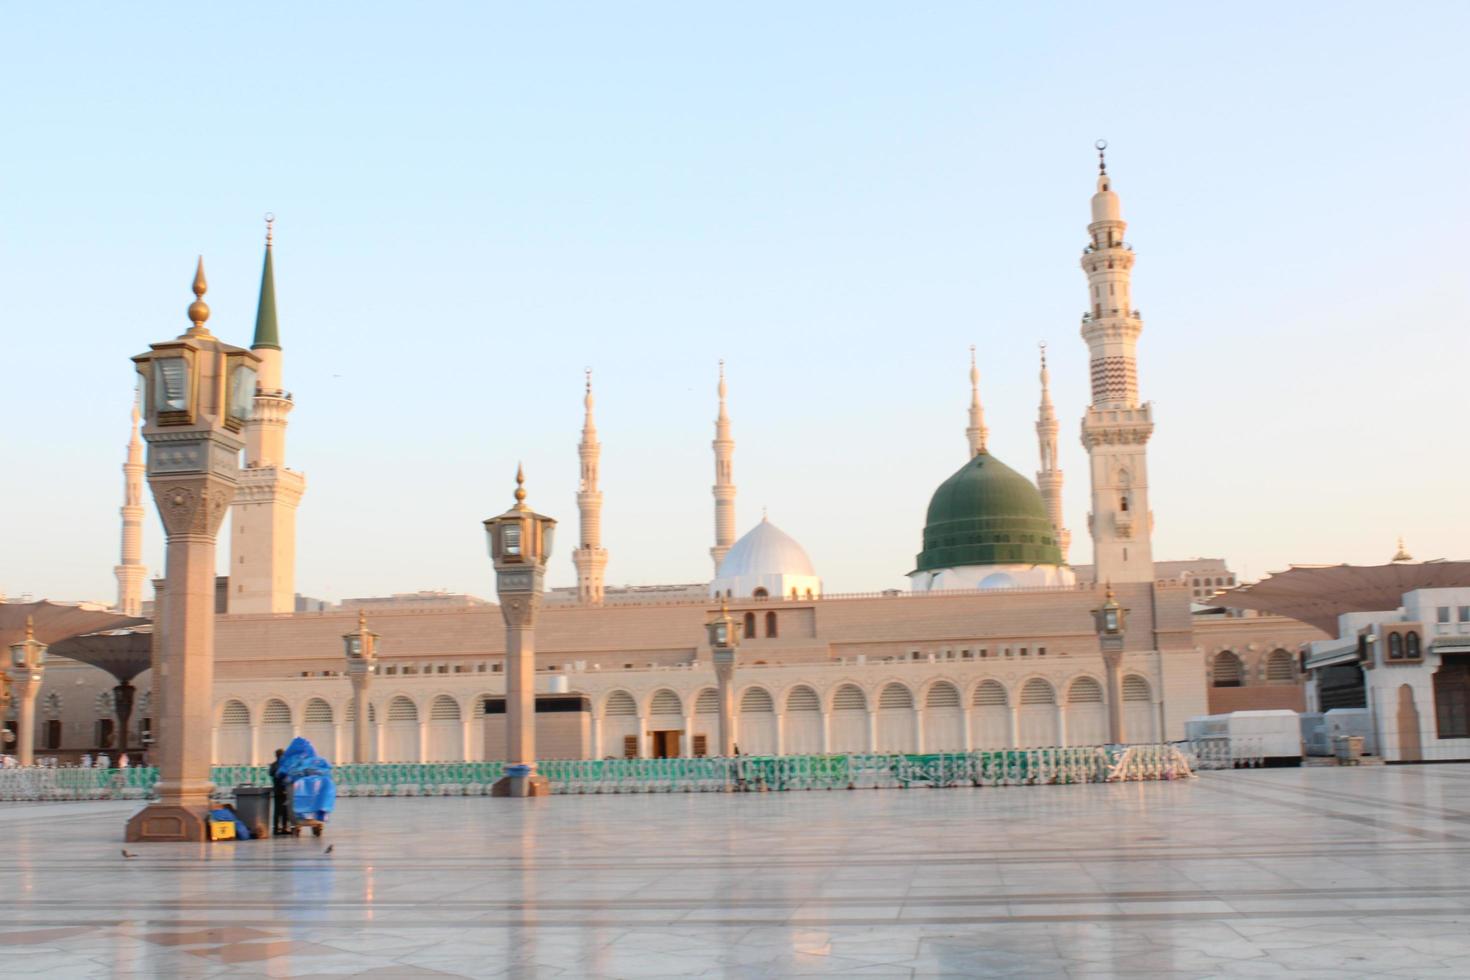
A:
x: 188, y: 508
x: 521, y: 610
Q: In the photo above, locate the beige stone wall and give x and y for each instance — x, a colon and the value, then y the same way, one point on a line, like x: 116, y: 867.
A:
x: 1253, y: 640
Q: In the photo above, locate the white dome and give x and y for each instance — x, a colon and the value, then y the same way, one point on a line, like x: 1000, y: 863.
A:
x: 765, y: 550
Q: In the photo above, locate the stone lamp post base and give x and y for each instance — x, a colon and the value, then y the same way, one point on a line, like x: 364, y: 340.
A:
x: 533, y: 785
x: 166, y: 822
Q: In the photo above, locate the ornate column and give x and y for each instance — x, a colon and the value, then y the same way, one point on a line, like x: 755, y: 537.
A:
x: 520, y: 543
x: 27, y: 668
x: 199, y: 394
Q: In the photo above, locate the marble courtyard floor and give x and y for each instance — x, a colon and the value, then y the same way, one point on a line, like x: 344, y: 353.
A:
x: 1318, y: 872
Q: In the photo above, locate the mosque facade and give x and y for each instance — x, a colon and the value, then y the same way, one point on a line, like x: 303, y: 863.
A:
x: 995, y: 645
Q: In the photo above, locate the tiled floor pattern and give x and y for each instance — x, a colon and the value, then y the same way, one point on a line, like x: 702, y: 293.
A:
x: 1307, y: 873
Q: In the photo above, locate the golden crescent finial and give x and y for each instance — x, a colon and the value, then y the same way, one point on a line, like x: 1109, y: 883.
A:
x: 270, y: 220
x: 520, y: 485
x: 1102, y: 161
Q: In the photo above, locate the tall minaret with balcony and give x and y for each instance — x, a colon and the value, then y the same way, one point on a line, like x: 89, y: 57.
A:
x: 976, y: 433
x: 1116, y: 428
x: 130, y: 572
x: 263, y: 516
x: 1049, y: 477
x: 590, y: 557
x: 724, y: 488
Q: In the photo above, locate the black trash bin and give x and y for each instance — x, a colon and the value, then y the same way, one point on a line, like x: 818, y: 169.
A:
x: 253, y: 805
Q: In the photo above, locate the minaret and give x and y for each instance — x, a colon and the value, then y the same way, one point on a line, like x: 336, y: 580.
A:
x: 263, y: 516
x: 1049, y: 477
x: 1116, y: 428
x: 590, y: 558
x: 724, y: 488
x: 131, y: 574
x: 976, y: 433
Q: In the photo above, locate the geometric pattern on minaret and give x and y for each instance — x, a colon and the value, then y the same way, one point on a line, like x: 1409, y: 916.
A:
x: 724, y: 488
x: 1049, y: 477
x: 130, y: 572
x: 1116, y: 428
x: 590, y: 558
x: 262, y: 575
x: 976, y: 433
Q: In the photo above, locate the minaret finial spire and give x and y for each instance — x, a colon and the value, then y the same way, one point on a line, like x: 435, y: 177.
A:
x: 199, y: 310
x: 270, y: 220
x: 1102, y: 160
x: 976, y: 433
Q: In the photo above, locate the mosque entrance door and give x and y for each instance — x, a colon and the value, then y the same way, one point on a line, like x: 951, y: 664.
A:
x: 666, y: 744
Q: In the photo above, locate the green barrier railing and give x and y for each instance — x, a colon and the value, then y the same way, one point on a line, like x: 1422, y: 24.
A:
x: 1002, y: 767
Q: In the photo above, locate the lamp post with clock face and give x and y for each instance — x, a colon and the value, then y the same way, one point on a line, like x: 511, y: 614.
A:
x: 1111, y: 621
x: 520, y: 543
x: 198, y: 396
x: 361, y: 648
x: 723, y: 640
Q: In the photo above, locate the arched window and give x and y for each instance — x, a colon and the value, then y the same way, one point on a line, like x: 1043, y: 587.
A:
x: 1084, y: 690
x: 1411, y: 645
x: 942, y: 694
x: 318, y: 712
x: 235, y: 713
x: 895, y: 695
x: 276, y: 713
x: 760, y: 593
x: 402, y: 709
x: 989, y: 694
x: 707, y: 703
x: 1135, y: 688
x: 1226, y: 670
x: 666, y: 702
x: 444, y: 708
x: 1038, y: 691
x: 849, y: 697
x: 757, y: 699
x: 1395, y: 646
x: 620, y: 703
x: 802, y: 698
x: 750, y: 626
x: 1123, y: 504
x: 770, y: 624
x: 1280, y: 666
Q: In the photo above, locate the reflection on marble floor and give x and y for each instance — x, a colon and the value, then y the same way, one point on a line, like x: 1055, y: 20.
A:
x: 1302, y: 873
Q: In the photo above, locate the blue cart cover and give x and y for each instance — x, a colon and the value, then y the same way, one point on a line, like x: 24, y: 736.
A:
x: 313, y: 794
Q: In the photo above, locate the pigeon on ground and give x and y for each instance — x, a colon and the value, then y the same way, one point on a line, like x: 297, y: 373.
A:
x: 329, y: 849
x: 128, y: 854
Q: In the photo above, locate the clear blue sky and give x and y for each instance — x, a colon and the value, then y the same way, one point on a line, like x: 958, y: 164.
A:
x: 477, y: 201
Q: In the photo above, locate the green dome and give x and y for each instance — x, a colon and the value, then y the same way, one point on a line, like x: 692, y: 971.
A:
x: 987, y: 514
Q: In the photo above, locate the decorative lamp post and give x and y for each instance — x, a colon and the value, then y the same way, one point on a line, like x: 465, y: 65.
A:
x: 361, y: 648
x: 1111, y: 621
x: 723, y: 640
x: 198, y: 396
x: 27, y: 666
x: 520, y: 543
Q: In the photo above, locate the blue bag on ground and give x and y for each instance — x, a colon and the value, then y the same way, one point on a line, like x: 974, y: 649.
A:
x: 313, y: 794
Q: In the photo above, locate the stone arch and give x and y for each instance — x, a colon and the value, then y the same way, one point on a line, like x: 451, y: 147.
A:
x: 234, y: 743
x: 895, y: 722
x: 707, y: 702
x: 942, y: 694
x: 944, y: 718
x: 275, y: 713
x: 990, y: 722
x: 849, y: 719
x: 1037, y: 714
x: 446, y: 730
x: 444, y: 708
x: 1087, y: 714
x: 620, y: 723
x: 317, y: 712
x: 400, y: 735
x: 895, y: 694
x: 803, y: 732
x: 757, y: 725
x: 1140, y: 718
